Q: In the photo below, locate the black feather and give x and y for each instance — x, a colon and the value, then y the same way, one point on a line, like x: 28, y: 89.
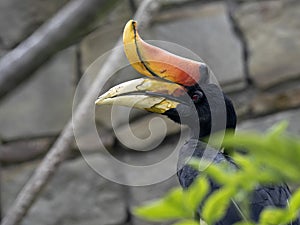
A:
x: 260, y: 198
x: 215, y: 112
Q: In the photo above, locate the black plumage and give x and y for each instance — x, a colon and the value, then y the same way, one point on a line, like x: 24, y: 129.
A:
x: 208, y: 109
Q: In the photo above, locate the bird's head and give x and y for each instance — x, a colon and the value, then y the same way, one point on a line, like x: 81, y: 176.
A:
x: 173, y: 88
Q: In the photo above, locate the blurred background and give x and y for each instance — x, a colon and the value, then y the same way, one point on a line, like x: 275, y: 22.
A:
x: 253, y: 48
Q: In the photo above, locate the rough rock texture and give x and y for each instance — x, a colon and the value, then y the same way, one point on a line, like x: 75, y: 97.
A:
x: 19, y: 18
x: 76, y: 195
x: 263, y: 123
x: 270, y: 102
x: 43, y: 105
x: 272, y: 30
x: 254, y: 103
x: 198, y: 28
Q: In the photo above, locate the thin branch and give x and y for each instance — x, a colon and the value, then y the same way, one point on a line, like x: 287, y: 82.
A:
x: 66, y: 27
x: 61, y: 148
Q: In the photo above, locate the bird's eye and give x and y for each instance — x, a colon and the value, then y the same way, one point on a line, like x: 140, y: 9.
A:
x: 197, y: 96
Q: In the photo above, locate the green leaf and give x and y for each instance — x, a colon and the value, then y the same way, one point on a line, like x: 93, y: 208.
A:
x: 295, y: 201
x: 168, y: 208
x: 278, y: 129
x: 266, y: 155
x: 188, y: 222
x: 216, y: 205
x: 276, y: 216
x: 273, y: 216
x: 195, y: 193
x: 245, y: 223
x: 218, y: 173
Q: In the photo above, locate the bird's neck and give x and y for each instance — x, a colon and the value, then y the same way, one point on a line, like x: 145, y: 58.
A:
x: 204, y: 135
x: 201, y: 135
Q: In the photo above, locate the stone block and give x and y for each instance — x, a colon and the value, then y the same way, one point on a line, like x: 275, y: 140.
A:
x: 272, y: 31
x: 41, y: 106
x: 253, y: 102
x: 264, y: 123
x: 272, y: 102
x: 75, y: 195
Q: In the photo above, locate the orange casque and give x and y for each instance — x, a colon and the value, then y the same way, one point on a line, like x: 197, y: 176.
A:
x: 154, y: 62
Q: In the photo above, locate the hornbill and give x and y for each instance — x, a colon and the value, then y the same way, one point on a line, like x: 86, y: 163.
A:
x: 175, y: 89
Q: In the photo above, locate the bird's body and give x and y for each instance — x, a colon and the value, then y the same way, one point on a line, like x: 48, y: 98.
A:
x: 261, y: 197
x: 176, y: 88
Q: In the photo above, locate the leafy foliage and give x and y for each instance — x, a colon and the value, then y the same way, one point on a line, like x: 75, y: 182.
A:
x: 282, y: 152
x: 177, y: 204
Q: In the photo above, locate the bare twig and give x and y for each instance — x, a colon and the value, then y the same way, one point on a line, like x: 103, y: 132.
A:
x: 65, y: 28
x: 61, y: 148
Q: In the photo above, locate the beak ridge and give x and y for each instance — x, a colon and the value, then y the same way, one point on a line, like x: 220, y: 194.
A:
x: 152, y: 61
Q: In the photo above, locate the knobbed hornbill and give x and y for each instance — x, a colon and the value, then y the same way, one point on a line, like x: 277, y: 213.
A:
x: 174, y: 89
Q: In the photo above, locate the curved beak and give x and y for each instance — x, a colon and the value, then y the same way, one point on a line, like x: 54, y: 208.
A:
x: 148, y: 94
x: 155, y: 62
x: 170, y: 75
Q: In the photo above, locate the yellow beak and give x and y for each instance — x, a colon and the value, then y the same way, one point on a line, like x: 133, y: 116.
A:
x: 148, y: 94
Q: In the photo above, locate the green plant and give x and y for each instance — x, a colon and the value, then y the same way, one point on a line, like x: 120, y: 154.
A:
x: 272, y: 158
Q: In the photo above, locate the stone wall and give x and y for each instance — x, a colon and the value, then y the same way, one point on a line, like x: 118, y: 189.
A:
x: 251, y: 46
